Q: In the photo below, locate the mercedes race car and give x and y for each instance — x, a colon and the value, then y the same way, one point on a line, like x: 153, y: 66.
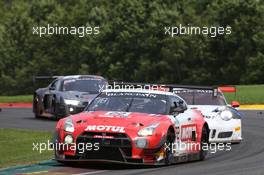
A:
x: 66, y: 95
x: 224, y: 120
x: 133, y: 126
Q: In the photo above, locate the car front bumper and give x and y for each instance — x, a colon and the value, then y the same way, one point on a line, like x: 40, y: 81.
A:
x: 225, y: 131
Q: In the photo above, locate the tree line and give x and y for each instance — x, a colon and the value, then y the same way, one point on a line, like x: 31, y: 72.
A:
x: 132, y: 45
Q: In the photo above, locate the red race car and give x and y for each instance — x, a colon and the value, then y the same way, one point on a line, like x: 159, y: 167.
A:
x: 133, y: 126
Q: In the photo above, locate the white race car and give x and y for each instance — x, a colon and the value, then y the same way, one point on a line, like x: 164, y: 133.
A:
x: 224, y: 120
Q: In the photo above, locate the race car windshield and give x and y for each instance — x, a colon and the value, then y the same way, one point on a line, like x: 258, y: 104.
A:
x: 202, y: 98
x: 129, y: 102
x: 93, y: 86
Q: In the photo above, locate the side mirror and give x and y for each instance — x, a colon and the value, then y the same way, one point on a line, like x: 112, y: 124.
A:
x: 52, y: 88
x: 235, y: 104
x: 178, y: 108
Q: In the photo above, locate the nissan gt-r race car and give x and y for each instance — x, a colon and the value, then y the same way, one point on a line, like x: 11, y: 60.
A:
x: 66, y: 95
x: 224, y: 120
x: 133, y: 126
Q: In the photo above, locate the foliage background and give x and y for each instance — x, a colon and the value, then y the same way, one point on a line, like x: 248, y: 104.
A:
x: 131, y: 45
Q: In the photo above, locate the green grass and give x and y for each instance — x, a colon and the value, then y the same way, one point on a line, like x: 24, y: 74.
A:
x: 247, y: 94
x: 16, y: 147
x: 18, y: 98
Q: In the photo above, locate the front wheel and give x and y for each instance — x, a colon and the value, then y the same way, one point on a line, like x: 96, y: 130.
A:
x: 204, y: 142
x: 169, y: 152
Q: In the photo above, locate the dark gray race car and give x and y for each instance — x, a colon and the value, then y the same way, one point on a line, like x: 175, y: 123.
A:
x: 67, y: 95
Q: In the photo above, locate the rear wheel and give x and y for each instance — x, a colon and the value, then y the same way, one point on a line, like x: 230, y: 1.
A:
x: 204, y: 143
x: 36, y: 106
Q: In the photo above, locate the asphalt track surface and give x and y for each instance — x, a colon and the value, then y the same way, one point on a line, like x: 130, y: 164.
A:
x: 23, y: 118
x: 244, y: 158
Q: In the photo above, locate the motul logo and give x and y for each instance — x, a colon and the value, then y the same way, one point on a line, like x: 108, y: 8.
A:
x: 186, y: 133
x: 105, y: 128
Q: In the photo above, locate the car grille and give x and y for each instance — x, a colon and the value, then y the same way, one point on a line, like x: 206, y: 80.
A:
x: 112, y: 146
x: 225, y: 134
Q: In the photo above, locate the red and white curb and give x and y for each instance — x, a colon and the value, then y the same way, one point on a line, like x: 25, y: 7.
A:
x: 15, y: 105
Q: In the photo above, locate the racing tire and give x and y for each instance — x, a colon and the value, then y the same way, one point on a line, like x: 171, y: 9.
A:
x: 57, y: 113
x: 35, y: 106
x: 55, y: 110
x: 168, y: 152
x: 204, y: 140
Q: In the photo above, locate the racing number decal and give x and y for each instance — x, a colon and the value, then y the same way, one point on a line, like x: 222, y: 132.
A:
x: 188, y: 132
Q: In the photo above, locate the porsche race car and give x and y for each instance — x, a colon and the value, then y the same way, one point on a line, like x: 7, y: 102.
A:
x: 224, y: 120
x: 133, y: 126
x: 66, y: 95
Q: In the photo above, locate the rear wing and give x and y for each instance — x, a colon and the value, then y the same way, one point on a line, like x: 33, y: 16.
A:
x: 42, y: 81
x: 192, y: 88
x: 164, y: 87
x: 36, y: 78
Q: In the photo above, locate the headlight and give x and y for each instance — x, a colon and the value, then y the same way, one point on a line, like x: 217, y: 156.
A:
x: 71, y: 102
x: 68, y: 125
x: 226, y: 115
x: 148, y: 131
